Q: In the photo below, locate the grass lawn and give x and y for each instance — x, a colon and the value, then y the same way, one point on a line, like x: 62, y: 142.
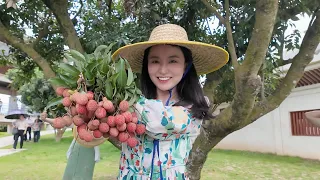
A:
x: 4, y: 134
x: 47, y: 160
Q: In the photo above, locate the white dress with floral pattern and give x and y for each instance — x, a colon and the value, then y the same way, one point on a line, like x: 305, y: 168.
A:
x: 175, y: 130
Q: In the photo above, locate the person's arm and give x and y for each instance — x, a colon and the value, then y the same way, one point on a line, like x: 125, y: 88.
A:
x: 167, y: 122
x: 44, y: 117
x: 313, y: 117
x: 14, y: 124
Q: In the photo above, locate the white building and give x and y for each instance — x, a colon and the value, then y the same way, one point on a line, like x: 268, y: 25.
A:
x: 284, y: 131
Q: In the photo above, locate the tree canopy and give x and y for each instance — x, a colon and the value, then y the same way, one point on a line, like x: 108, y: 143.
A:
x: 253, y: 32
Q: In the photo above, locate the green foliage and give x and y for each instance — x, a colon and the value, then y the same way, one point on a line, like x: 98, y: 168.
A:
x: 36, y: 94
x: 98, y: 73
x: 128, y: 21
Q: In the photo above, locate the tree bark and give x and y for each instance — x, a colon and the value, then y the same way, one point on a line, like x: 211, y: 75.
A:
x: 28, y: 49
x: 60, y: 11
x: 247, y: 84
x: 235, y: 116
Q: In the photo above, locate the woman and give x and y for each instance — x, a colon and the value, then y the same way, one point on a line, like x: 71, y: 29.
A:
x: 22, y: 126
x: 173, y: 105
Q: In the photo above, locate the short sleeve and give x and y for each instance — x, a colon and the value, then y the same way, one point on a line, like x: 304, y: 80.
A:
x: 166, y: 121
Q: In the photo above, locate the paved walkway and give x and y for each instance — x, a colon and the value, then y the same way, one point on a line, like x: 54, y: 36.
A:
x: 8, y: 140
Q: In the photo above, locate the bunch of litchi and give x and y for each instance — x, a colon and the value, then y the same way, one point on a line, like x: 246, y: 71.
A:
x: 97, y: 119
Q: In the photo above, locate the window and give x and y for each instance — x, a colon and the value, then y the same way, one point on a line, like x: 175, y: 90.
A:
x: 302, y: 127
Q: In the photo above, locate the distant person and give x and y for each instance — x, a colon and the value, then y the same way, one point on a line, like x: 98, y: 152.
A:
x: 36, y: 128
x: 29, y: 122
x: 22, y: 126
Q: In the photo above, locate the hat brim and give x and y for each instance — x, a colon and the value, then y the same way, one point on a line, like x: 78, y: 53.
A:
x: 206, y: 57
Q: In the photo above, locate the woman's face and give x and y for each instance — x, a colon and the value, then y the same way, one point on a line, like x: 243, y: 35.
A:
x: 166, y: 65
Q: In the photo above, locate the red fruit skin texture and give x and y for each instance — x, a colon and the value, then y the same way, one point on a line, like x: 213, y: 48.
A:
x: 113, y: 132
x: 100, y: 113
x: 123, y: 136
x: 141, y: 128
x: 132, y: 142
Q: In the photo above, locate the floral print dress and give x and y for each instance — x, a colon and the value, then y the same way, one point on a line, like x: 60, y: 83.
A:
x: 171, y: 131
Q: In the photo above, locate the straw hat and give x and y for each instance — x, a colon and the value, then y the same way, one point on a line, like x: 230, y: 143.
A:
x: 206, y: 57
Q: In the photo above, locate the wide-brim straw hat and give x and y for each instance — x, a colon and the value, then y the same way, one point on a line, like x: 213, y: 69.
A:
x: 206, y: 57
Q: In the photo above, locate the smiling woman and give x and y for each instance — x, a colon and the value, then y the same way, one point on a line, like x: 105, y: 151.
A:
x: 173, y: 105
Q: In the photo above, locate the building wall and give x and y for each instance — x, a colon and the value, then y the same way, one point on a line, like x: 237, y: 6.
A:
x: 272, y: 132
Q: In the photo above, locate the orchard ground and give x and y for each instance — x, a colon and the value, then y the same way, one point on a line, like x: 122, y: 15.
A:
x: 47, y: 160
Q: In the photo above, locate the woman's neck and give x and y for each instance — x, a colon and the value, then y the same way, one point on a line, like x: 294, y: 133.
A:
x: 164, y: 95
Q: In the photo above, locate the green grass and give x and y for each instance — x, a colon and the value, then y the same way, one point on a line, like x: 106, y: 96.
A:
x: 4, y: 134
x: 47, y: 160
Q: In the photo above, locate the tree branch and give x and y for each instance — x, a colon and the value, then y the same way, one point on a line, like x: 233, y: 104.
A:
x: 80, y: 9
x: 308, y: 47
x: 266, y: 12
x: 60, y: 11
x: 28, y: 49
x: 231, y: 46
x: 43, y: 33
x: 214, y: 11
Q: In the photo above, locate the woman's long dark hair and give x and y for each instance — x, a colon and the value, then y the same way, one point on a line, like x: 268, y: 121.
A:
x: 188, y: 89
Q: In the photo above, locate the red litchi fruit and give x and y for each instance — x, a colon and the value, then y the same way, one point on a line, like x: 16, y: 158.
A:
x: 73, y: 111
x: 67, y: 120
x: 91, y: 126
x: 134, y: 120
x: 104, y: 99
x: 66, y: 93
x: 111, y: 110
x: 100, y: 113
x: 123, y: 136
x: 127, y: 116
x: 122, y: 127
x: 131, y: 127
x: 119, y: 120
x: 140, y: 129
x: 81, y: 99
x: 88, y: 137
x: 90, y: 114
x: 131, y: 134
x: 81, y: 133
x: 97, y: 134
x: 59, y: 91
x: 111, y: 121
x: 100, y: 104
x: 90, y: 95
x: 96, y: 122
x: 59, y: 123
x: 77, y: 120
x: 113, y: 132
x: 74, y: 96
x: 107, y: 105
x: 134, y: 114
x: 82, y: 126
x: 124, y: 106
x: 66, y: 102
x: 81, y: 109
x: 104, y: 127
x: 92, y: 105
x: 132, y: 142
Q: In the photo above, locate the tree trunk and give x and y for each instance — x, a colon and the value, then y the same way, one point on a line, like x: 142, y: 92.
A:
x: 60, y: 10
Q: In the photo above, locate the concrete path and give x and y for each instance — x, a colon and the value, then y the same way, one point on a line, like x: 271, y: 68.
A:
x: 8, y: 140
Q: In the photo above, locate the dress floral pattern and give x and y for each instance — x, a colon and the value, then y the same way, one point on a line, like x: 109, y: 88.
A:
x: 174, y: 129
